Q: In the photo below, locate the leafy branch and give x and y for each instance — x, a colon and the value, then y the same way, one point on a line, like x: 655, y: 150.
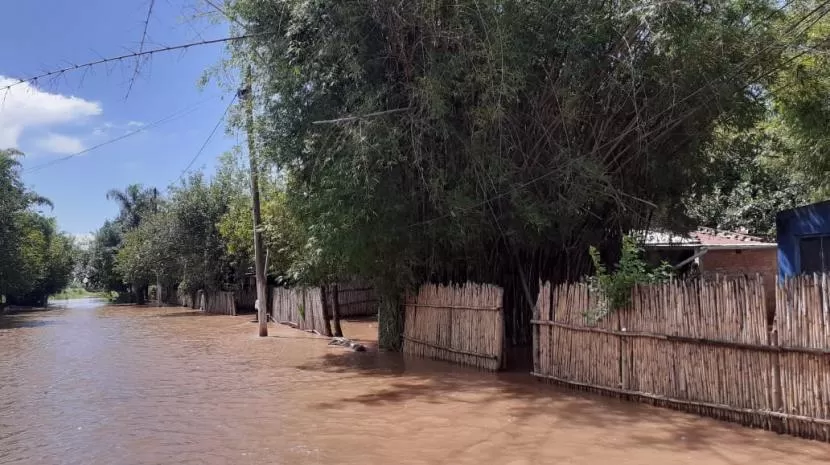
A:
x: 614, y: 288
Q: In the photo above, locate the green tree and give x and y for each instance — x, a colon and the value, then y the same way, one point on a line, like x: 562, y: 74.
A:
x: 34, y: 258
x: 135, y: 203
x: 101, y: 272
x: 746, y: 183
x: 488, y: 139
x: 283, y: 236
x: 196, y: 208
x: 147, y: 256
x: 800, y: 94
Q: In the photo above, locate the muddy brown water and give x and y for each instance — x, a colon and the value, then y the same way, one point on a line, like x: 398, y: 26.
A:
x: 90, y: 384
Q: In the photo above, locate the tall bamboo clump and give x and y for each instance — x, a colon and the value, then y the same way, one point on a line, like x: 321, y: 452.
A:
x: 555, y: 140
x: 461, y: 324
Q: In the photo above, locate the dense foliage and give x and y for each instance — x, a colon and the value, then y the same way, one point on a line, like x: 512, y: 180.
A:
x: 197, y: 236
x: 496, y: 140
x: 445, y: 140
x: 35, y: 259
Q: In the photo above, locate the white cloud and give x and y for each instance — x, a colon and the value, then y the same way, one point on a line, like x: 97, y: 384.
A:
x: 135, y: 124
x: 25, y: 107
x: 59, y: 143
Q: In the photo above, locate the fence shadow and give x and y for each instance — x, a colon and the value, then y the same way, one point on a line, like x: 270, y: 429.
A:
x: 528, y: 399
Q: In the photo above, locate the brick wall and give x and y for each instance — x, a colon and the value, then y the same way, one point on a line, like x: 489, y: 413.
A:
x: 739, y: 262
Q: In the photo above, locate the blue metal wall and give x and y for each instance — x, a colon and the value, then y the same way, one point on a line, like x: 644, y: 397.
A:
x: 791, y: 226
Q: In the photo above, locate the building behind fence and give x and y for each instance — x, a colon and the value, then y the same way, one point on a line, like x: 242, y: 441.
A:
x: 698, y: 346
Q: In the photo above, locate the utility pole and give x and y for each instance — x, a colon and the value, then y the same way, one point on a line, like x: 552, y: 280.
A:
x: 245, y: 94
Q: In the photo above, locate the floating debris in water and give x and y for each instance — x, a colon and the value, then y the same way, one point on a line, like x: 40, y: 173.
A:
x: 344, y: 342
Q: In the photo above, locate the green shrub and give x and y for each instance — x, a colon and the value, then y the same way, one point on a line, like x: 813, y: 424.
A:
x: 614, y: 288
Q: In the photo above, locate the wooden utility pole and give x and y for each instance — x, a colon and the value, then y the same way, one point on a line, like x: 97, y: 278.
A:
x: 246, y: 96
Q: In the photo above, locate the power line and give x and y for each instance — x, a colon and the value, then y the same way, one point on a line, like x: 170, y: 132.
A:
x: 171, y: 48
x: 209, y: 137
x: 173, y: 116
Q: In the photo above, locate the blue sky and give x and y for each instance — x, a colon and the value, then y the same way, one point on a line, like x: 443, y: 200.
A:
x: 58, y: 117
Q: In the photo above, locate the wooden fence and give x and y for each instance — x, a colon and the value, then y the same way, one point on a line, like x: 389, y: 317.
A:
x: 697, y: 346
x: 802, y: 334
x: 245, y: 300
x: 461, y: 324
x: 218, y: 302
x: 301, y: 307
x: 353, y: 300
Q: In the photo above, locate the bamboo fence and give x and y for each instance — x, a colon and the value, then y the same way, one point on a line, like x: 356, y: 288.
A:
x: 699, y: 346
x: 218, y: 302
x: 802, y: 334
x: 354, y: 300
x: 300, y: 307
x: 461, y: 324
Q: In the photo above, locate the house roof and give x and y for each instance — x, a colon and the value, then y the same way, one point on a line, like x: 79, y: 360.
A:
x: 704, y: 237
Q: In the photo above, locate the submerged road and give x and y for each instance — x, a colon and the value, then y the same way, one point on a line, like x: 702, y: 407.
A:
x: 94, y: 384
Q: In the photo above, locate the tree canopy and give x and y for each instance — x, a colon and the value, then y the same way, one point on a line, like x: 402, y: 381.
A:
x: 35, y: 259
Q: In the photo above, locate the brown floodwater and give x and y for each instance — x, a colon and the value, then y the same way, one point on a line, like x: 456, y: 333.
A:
x: 89, y: 384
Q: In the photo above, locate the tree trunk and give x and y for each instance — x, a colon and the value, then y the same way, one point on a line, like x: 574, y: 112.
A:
x: 326, y: 311
x: 390, y: 320
x: 338, y: 332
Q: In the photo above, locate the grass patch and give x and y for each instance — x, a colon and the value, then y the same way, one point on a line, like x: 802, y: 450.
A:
x: 77, y: 293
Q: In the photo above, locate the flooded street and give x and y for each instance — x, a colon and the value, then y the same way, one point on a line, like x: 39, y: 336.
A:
x: 90, y: 384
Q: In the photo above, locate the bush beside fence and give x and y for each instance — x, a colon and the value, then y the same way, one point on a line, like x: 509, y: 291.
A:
x: 461, y: 324
x: 698, y: 346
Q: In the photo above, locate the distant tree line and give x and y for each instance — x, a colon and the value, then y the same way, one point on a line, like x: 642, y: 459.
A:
x: 197, y: 235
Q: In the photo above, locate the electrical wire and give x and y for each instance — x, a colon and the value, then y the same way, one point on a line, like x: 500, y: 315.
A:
x: 90, y: 64
x: 209, y: 137
x: 173, y: 116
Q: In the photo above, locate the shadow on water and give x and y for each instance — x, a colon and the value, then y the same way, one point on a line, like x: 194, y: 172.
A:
x: 409, y: 379
x: 181, y: 314
x: 12, y: 322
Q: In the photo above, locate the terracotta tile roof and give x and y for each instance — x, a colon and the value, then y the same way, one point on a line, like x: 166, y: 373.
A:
x: 702, y: 237
x: 709, y: 236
